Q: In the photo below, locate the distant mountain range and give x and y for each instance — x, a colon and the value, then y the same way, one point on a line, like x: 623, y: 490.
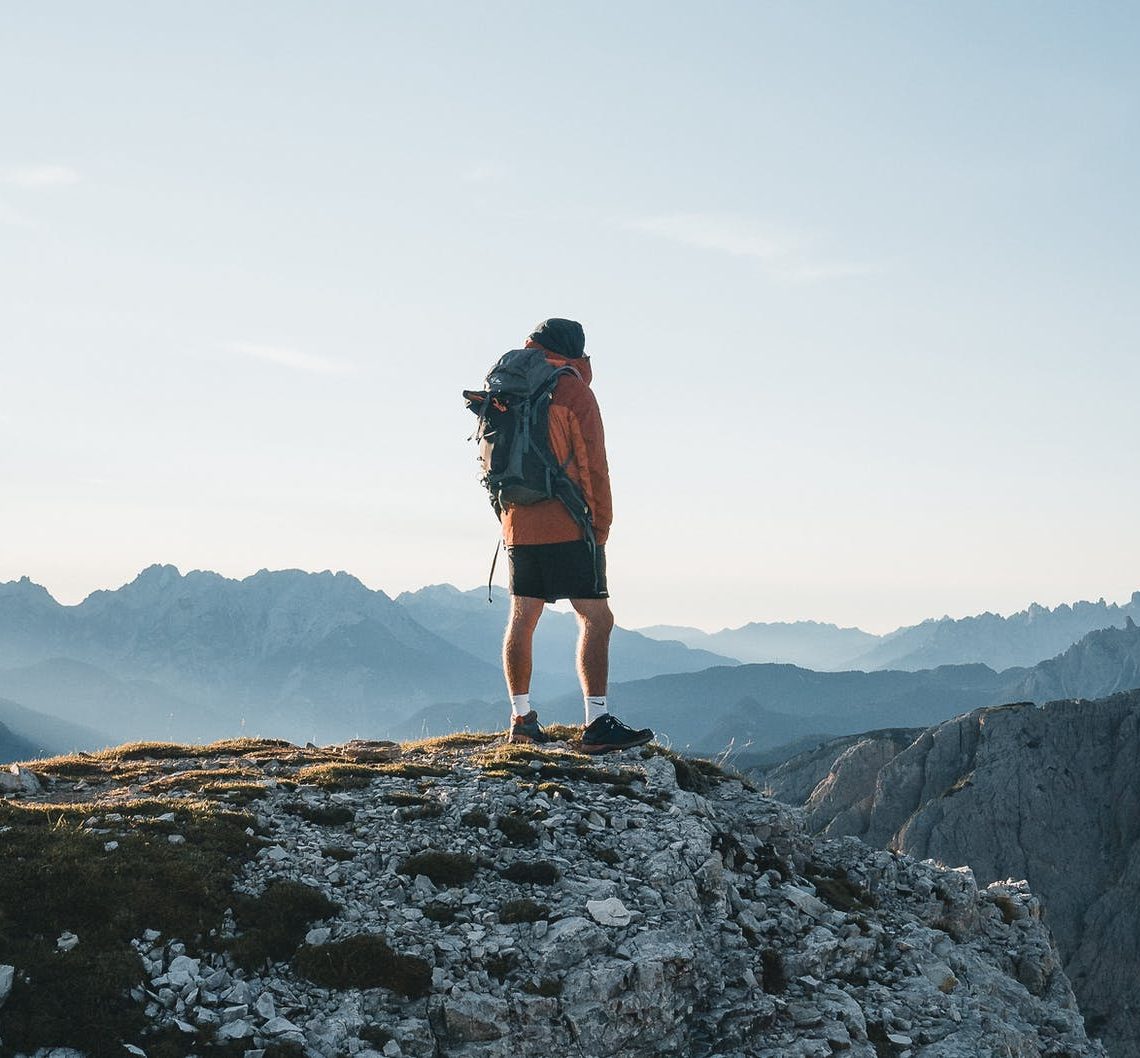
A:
x: 320, y: 657
x: 808, y: 644
x: 305, y: 656
x: 1022, y: 639
x: 754, y: 708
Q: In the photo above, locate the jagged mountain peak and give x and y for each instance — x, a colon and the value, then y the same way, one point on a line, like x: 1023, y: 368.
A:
x: 26, y: 590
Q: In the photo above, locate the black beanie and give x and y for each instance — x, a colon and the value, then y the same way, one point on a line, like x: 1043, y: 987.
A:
x: 564, y: 337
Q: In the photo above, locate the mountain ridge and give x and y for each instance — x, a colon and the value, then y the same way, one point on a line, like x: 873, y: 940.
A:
x: 1023, y: 638
x: 760, y: 706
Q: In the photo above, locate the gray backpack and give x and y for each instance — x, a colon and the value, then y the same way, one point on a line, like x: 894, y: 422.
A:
x: 513, y: 436
x: 518, y: 466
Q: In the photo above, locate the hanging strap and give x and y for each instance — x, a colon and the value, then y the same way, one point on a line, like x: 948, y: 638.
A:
x: 491, y: 576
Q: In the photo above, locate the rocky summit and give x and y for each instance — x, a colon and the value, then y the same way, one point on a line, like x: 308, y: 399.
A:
x: 467, y: 897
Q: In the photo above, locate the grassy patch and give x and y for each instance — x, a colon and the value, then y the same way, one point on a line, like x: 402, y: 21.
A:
x: 835, y: 888
x: 376, y: 1035
x: 441, y: 913
x: 405, y: 798
x: 543, y: 766
x: 524, y: 910
x: 500, y: 966
x: 55, y: 876
x: 540, y: 872
x: 338, y: 776
x: 323, y: 815
x: 445, y: 743
x: 443, y: 868
x: 555, y: 789
x: 696, y: 774
x: 274, y: 923
x: 363, y: 962
x: 775, y: 977
x: 517, y: 830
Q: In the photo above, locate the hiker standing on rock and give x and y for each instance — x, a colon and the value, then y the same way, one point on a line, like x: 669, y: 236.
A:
x: 544, y: 457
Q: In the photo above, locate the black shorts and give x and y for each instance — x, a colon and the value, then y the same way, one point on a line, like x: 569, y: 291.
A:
x: 558, y: 571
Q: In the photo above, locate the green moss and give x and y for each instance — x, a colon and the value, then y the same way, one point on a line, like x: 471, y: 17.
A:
x: 406, y: 769
x: 517, y: 830
x: 556, y: 789
x: 363, y: 962
x: 337, y: 776
x: 540, y: 872
x: 775, y: 977
x: 443, y: 868
x: 323, y: 815
x: 607, y: 855
x: 441, y: 913
x: 56, y: 876
x: 376, y: 1035
x: 697, y: 774
x: 523, y: 910
x: 274, y: 923
x: 634, y: 794
x: 404, y: 798
x: 833, y: 886
x: 500, y: 966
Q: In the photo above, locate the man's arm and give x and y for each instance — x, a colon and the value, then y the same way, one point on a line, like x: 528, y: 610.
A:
x: 588, y: 445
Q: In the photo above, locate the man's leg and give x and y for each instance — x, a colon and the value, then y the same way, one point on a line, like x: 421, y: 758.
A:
x: 595, y: 622
x: 603, y: 731
x: 518, y: 657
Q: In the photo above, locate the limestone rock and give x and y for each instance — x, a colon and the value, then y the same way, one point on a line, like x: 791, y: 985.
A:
x: 611, y: 912
x: 15, y: 779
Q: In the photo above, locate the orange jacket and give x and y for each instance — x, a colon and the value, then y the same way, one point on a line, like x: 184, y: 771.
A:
x: 577, y: 441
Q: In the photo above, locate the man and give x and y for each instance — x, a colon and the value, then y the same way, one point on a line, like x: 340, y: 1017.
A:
x: 551, y: 559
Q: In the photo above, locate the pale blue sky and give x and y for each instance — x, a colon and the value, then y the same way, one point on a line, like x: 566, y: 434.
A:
x: 858, y: 282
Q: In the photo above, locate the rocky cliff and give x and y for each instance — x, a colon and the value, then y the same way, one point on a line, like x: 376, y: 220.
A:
x: 464, y: 897
x: 1048, y: 794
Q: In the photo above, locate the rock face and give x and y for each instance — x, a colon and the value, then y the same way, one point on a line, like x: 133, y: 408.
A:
x: 1048, y: 794
x: 550, y: 903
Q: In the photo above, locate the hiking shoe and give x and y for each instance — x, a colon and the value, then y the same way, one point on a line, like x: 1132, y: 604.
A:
x: 526, y: 728
x: 607, y: 732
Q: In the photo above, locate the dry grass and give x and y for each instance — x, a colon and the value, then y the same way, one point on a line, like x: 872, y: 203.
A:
x: 449, y: 743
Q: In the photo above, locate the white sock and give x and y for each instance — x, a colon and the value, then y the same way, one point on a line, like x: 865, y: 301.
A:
x: 520, y: 704
x: 595, y: 707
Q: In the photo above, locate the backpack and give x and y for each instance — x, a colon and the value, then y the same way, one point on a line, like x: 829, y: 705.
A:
x: 512, y: 433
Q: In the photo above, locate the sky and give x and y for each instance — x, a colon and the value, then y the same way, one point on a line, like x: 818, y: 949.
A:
x: 858, y: 284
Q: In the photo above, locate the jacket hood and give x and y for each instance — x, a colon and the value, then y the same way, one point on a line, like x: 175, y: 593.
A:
x: 581, y: 364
